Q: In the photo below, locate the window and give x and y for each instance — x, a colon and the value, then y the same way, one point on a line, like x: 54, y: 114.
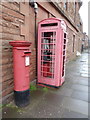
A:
x: 75, y: 6
x: 65, y: 4
x: 75, y: 11
x: 48, y: 45
x: 73, y: 42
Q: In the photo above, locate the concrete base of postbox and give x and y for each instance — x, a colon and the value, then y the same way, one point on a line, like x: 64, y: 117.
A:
x: 22, y: 98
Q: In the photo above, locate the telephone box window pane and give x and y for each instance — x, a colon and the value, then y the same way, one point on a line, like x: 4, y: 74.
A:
x: 42, y: 34
x: 64, y: 41
x: 64, y: 46
x: 64, y: 35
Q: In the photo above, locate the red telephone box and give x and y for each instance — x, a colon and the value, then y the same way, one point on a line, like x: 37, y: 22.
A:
x: 52, y: 39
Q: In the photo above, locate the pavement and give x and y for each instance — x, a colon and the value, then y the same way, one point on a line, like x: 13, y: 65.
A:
x: 68, y: 101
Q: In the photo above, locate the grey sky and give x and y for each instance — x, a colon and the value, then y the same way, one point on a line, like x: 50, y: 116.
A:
x: 84, y: 15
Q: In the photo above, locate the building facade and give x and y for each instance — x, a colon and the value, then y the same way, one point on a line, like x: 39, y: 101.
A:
x: 85, y: 41
x: 17, y: 22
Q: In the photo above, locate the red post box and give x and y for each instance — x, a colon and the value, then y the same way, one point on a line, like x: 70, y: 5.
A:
x: 21, y: 63
x: 52, y: 41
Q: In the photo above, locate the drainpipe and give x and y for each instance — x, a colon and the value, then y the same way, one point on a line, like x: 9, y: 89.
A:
x: 35, y: 11
x: 35, y: 6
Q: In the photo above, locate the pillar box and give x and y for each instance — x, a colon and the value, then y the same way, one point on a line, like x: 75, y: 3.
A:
x: 21, y: 64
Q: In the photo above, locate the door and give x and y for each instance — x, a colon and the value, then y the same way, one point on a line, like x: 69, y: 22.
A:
x: 47, y: 53
x: 48, y: 42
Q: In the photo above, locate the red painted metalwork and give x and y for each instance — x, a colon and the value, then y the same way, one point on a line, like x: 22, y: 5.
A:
x: 21, y: 53
x: 52, y: 40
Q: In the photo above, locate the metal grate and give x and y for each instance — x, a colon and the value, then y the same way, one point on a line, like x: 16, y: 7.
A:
x: 48, y: 42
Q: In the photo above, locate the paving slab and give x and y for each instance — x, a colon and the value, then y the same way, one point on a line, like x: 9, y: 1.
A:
x: 83, y: 82
x: 71, y: 114
x: 44, y: 110
x: 79, y: 87
x: 9, y: 112
x: 53, y: 99
x: 75, y: 105
x: 80, y: 96
x: 63, y: 92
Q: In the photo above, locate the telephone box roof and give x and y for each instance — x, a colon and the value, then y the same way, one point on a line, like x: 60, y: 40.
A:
x: 58, y: 19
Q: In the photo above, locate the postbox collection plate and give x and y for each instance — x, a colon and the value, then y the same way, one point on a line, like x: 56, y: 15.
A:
x: 27, y: 61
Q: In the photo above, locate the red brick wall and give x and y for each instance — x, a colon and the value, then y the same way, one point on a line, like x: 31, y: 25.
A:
x: 10, y: 21
x: 18, y: 23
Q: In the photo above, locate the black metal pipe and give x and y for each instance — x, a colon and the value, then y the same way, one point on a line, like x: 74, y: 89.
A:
x: 34, y: 5
x: 36, y: 39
